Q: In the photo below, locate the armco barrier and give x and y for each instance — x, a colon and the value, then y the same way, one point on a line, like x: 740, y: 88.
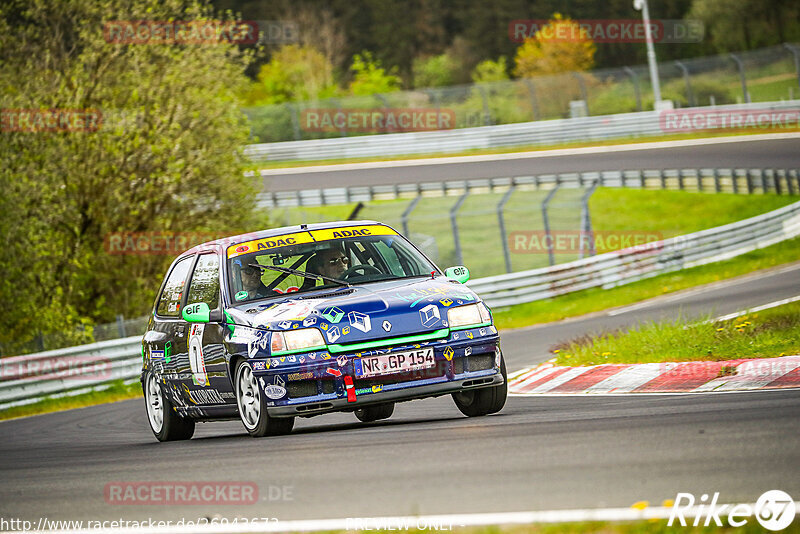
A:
x: 780, y: 181
x: 25, y: 379
x: 644, y: 123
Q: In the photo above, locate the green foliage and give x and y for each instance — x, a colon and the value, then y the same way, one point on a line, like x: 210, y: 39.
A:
x: 435, y: 71
x: 547, y: 53
x: 370, y: 78
x: 294, y: 73
x: 166, y: 158
x: 490, y: 71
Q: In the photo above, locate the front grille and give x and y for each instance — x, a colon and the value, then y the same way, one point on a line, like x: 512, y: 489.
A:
x: 476, y: 362
x: 302, y: 388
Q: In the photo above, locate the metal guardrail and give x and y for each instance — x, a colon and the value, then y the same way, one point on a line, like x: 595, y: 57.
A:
x: 645, y: 123
x: 778, y: 181
x: 629, y: 265
x: 26, y: 379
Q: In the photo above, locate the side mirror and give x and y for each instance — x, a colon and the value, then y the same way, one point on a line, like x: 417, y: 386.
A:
x: 197, y: 313
x: 458, y: 273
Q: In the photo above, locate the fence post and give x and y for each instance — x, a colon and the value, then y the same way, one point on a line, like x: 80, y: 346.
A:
x: 407, y: 212
x: 584, y: 94
x: 487, y: 116
x: 796, y: 55
x: 547, y: 235
x: 534, y: 103
x: 586, y: 221
x: 635, y: 77
x: 740, y: 66
x: 789, y: 184
x: 121, y: 325
x: 295, y: 122
x: 689, y: 93
x: 716, y: 180
x: 454, y: 223
x: 663, y: 179
x: 500, y: 219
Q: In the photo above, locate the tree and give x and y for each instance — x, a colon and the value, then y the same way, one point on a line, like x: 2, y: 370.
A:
x: 293, y: 73
x: 559, y: 46
x: 370, y: 78
x: 435, y: 71
x: 167, y: 156
x: 490, y: 71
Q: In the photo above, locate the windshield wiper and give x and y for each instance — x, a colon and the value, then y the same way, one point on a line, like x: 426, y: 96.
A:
x: 301, y: 273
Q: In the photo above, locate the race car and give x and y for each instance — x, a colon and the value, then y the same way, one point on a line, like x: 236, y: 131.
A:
x: 311, y: 319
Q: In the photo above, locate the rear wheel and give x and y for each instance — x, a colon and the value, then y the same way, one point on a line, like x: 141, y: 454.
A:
x: 375, y: 413
x: 165, y: 423
x: 483, y: 401
x: 253, y: 408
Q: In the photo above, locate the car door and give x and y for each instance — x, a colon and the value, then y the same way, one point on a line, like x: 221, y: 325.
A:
x: 166, y: 333
x: 209, y: 383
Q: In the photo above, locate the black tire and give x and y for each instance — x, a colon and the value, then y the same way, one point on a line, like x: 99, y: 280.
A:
x: 253, y: 407
x: 375, y: 413
x: 165, y: 423
x: 484, y: 401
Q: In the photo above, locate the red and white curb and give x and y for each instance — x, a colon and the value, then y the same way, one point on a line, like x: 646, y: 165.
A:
x: 666, y: 377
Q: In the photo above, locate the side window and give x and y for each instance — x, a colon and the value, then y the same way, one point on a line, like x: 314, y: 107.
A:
x: 170, y: 299
x: 389, y: 255
x: 204, y: 286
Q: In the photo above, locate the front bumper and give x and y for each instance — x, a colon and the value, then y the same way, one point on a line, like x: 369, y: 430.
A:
x: 317, y: 383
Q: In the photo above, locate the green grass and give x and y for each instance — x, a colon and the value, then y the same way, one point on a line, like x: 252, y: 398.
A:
x: 658, y: 213
x: 597, y: 299
x: 117, y: 391
x: 766, y: 334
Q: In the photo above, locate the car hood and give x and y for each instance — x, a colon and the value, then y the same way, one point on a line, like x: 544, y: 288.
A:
x: 366, y: 312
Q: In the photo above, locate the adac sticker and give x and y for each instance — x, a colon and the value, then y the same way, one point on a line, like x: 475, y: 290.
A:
x: 352, y: 231
x: 269, y: 243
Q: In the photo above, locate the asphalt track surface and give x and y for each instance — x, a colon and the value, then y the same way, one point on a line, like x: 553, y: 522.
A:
x: 720, y: 153
x: 538, y: 453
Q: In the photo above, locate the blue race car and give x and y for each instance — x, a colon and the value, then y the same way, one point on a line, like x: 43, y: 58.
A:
x: 311, y: 319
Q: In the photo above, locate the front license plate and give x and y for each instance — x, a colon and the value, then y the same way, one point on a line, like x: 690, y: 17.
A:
x: 398, y: 362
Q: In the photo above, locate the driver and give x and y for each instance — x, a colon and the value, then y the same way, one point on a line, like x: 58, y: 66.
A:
x: 251, y: 282
x: 329, y: 262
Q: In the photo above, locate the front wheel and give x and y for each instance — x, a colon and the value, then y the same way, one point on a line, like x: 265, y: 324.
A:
x: 375, y: 413
x: 165, y: 423
x: 253, y: 408
x: 483, y: 401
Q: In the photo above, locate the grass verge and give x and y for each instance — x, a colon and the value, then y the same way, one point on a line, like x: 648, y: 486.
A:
x: 117, y: 391
x: 596, y: 299
x: 521, y: 148
x: 765, y: 334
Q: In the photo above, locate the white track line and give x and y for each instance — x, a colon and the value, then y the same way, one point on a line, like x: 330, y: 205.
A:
x: 756, y: 309
x: 430, y: 522
x: 754, y: 374
x: 524, y: 155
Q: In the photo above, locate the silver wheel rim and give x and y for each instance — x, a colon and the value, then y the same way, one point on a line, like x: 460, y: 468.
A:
x: 248, y: 397
x: 155, y: 404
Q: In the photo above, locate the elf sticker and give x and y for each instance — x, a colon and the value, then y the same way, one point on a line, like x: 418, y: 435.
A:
x: 196, y: 359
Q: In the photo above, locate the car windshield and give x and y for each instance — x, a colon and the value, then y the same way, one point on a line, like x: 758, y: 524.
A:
x: 343, y: 256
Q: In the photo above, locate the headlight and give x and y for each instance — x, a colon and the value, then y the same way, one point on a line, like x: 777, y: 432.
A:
x: 469, y: 315
x: 294, y: 340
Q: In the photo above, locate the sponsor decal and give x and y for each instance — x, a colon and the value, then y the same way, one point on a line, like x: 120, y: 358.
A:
x: 334, y: 372
x: 448, y: 353
x: 196, y: 358
x: 482, y: 331
x: 342, y: 360
x: 429, y: 315
x: 259, y: 366
x: 359, y: 321
x: 204, y: 396
x: 351, y: 231
x: 258, y: 341
x: 300, y: 376
x: 269, y: 243
x: 333, y: 334
x: 387, y: 326
x: 333, y: 314
x: 274, y: 392
x: 468, y: 351
x: 308, y: 321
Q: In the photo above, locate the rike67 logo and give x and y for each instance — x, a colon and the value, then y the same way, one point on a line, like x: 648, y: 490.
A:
x: 774, y: 510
